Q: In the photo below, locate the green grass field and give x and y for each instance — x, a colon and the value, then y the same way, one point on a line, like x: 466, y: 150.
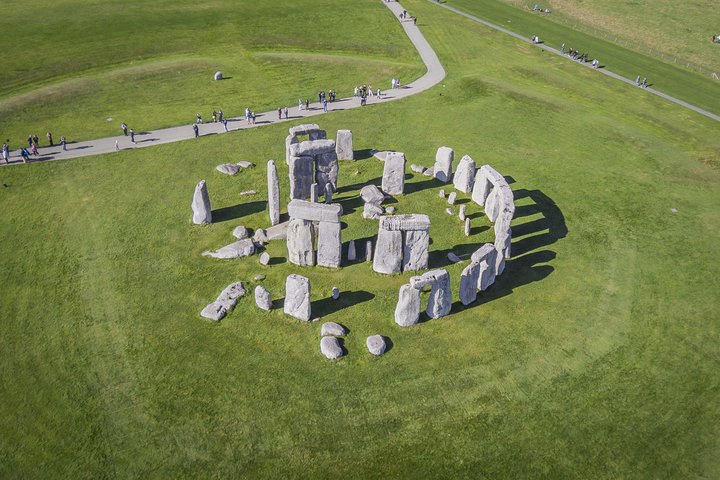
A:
x: 594, y: 356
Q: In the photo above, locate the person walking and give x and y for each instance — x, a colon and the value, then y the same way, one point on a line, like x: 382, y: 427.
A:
x: 198, y: 118
x: 49, y: 137
x: 285, y: 111
x: 196, y: 130
x: 224, y: 122
x: 220, y: 116
x: 132, y: 135
x: 63, y: 142
x: 279, y: 113
x: 325, y: 105
x: 117, y: 146
x: 300, y: 105
x: 307, y: 104
x: 6, y: 152
x: 124, y: 128
x: 34, y: 150
x: 214, y: 116
x: 25, y: 155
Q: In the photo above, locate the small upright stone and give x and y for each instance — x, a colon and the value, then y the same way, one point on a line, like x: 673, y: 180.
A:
x: 264, y: 258
x: 351, y: 254
x: 375, y: 344
x: 441, y: 193
x: 417, y: 168
x: 297, y: 297
x: 369, y: 251
x: 461, y: 213
x: 449, y: 211
x: 451, y: 198
x: 263, y: 299
x: 335, y: 293
x: 467, y: 227
x: 390, y: 210
x: 202, y: 213
x: 314, y: 192
x: 328, y: 192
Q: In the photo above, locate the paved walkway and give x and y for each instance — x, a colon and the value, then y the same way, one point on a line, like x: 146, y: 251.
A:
x: 603, y: 70
x: 435, y: 73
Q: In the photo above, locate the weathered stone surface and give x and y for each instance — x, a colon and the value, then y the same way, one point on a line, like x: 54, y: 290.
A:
x: 500, y: 196
x: 230, y: 295
x: 461, y: 212
x: 264, y: 258
x: 503, y: 241
x: 289, y: 140
x: 326, y: 170
x: 297, y: 297
x: 390, y: 210
x: 335, y: 293
x: 371, y: 194
x: 449, y: 211
x: 409, y: 221
x: 314, y: 193
x: 228, y: 168
x: 388, y: 252
x: 393, y: 180
x: 330, y: 348
x: 304, y: 129
x: 419, y: 282
x: 372, y: 211
x: 202, y: 213
x: 442, y: 170
x: 312, y: 148
x: 440, y: 301
x: 351, y: 254
x: 240, y: 232
x: 344, y: 145
x: 441, y: 193
x: 451, y: 198
x: 464, y: 177
x: 300, y: 242
x: 245, y: 164
x: 277, y: 232
x: 241, y: 248
x: 417, y: 168
x: 214, y: 311
x: 467, y: 227
x: 302, y: 173
x: 318, y: 135
x: 429, y: 172
x: 316, y: 212
x: 263, y: 298
x: 407, y: 311
x: 333, y: 329
x: 260, y: 236
x: 329, y: 245
x: 273, y: 187
x: 416, y: 245
x: 368, y: 251
x: 248, y: 192
x: 453, y: 258
x: 485, y: 256
x: 329, y: 189
x: 504, y: 218
x: 469, y: 283
x: 218, y: 76
x: 375, y: 344
x: 481, y: 187
x: 499, y: 263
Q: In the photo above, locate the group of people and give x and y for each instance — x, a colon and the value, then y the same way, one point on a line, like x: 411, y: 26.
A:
x: 404, y: 16
x: 33, y: 143
x: 641, y: 83
x: 580, y: 57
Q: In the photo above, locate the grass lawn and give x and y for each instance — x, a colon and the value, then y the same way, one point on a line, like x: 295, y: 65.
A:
x: 594, y: 356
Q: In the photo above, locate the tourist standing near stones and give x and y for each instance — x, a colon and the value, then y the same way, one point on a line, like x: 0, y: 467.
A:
x: 124, y: 128
x: 279, y: 113
x: 49, y: 137
x: 300, y: 105
x: 198, y: 117
x: 132, y: 135
x: 6, y: 152
x: 196, y: 130
x: 63, y: 142
x: 224, y: 122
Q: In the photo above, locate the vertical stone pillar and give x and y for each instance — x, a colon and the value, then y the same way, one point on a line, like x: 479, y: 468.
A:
x: 202, y: 212
x: 442, y: 170
x: 329, y: 247
x: 344, y: 145
x: 415, y: 250
x: 440, y: 301
x: 464, y: 177
x: 407, y: 310
x: 273, y: 193
x: 469, y: 283
x: 300, y: 242
x: 393, y: 180
x: 301, y: 177
x: 297, y: 297
x: 388, y: 251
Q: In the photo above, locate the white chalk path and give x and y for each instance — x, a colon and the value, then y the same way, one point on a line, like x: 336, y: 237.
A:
x: 603, y: 70
x: 435, y: 73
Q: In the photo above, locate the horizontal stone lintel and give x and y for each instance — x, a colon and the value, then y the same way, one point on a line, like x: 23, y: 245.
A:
x: 411, y: 221
x: 315, y: 212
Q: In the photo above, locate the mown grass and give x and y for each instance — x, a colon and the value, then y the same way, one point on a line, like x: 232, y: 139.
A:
x: 594, y: 356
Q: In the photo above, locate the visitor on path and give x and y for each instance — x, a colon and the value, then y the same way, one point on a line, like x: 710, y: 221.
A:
x: 562, y: 48
x: 252, y: 117
x: 307, y: 104
x: 25, y: 155
x: 117, y: 146
x: 214, y: 116
x: 198, y: 118
x: 63, y: 142
x: 49, y: 137
x: 377, y: 94
x: 34, y: 150
x: 355, y: 91
x: 644, y: 83
x: 285, y: 111
x: 224, y: 122
x: 300, y: 105
x: 132, y: 135
x: 196, y: 130
x: 279, y: 113
x: 6, y: 152
x: 29, y: 141
x: 220, y: 116
x: 124, y: 128
x: 637, y: 80
x: 414, y: 20
x: 247, y: 115
x: 325, y: 106
x: 36, y: 140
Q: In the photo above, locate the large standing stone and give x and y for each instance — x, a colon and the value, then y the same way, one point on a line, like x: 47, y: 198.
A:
x: 407, y: 311
x: 289, y: 140
x: 312, y: 148
x: 330, y: 348
x: 503, y: 240
x: 202, y: 213
x: 375, y: 344
x: 300, y: 242
x: 469, y: 283
x: 297, y: 297
x: 302, y: 173
x: 263, y: 299
x: 371, y: 194
x: 481, y: 187
x: 344, y: 145
x: 486, y: 257
x: 273, y: 187
x: 388, y: 251
x: 326, y: 170
x: 393, y: 180
x: 352, y: 254
x: 440, y: 301
x: 241, y: 248
x: 499, y: 263
x: 329, y: 246
x: 415, y: 250
x: 500, y: 196
x: 442, y: 170
x: 464, y: 177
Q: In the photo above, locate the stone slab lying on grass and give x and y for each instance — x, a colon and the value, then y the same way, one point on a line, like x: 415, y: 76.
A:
x: 332, y: 328
x: 330, y: 348
x: 214, y: 311
x: 371, y: 194
x: 228, y: 168
x: 241, y: 248
x: 240, y: 232
x: 375, y: 344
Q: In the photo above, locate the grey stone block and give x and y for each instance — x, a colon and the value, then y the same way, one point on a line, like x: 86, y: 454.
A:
x: 388, y: 252
x: 263, y: 298
x: 300, y: 242
x: 375, y: 344
x: 344, y: 145
x: 469, y: 283
x: 372, y: 194
x: 329, y: 246
x: 316, y: 212
x: 393, y: 180
x: 297, y: 297
x: 330, y: 348
x: 273, y: 186
x: 202, y: 212
x: 333, y: 329
x: 241, y: 248
x: 302, y: 175
x: 442, y: 170
x: 464, y: 177
x: 416, y: 245
x: 407, y: 311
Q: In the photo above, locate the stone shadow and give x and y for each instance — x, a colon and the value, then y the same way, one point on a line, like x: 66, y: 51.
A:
x: 241, y: 210
x: 328, y: 306
x: 552, y: 220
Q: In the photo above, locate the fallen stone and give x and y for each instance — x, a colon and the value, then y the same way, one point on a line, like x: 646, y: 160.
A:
x: 330, y: 347
x: 315, y: 212
x: 229, y: 297
x: 451, y: 198
x: 407, y: 310
x: 442, y: 170
x: 449, y: 211
x: 344, y: 145
x: 228, y: 168
x: 240, y: 232
x: 332, y: 329
x: 464, y: 177
x: 214, y: 311
x: 277, y: 232
x: 259, y: 277
x: 409, y: 221
x: 453, y: 258
x: 264, y: 258
x: 263, y: 299
x: 375, y: 344
x: 248, y: 192
x: 260, y: 236
x: 417, y: 168
x: 429, y: 172
x: 372, y: 194
x: 245, y: 164
x: 202, y: 213
x: 241, y: 248
x: 335, y: 293
x: 297, y: 297
x: 352, y: 254
x: 372, y: 212
x: 273, y: 186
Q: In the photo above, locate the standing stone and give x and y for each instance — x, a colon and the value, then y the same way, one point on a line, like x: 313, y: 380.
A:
x: 301, y: 177
x: 440, y: 301
x: 264, y: 258
x: 326, y: 170
x: 451, y: 198
x: 407, y: 311
x: 481, y: 187
x: 297, y: 297
x: 351, y: 255
x: 314, y: 193
x: 469, y: 283
x: 300, y: 242
x: 449, y: 211
x: 335, y: 293
x: 467, y: 227
x: 202, y: 213
x: 500, y: 196
x: 486, y: 257
x: 263, y: 299
x: 375, y: 344
x: 371, y: 194
x: 461, y: 213
x: 289, y: 140
x: 499, y: 263
x: 388, y: 251
x: 441, y: 193
x: 503, y: 239
x: 442, y: 170
x: 330, y: 348
x: 417, y: 168
x: 393, y: 180
x: 344, y: 145
x: 464, y: 177
x: 273, y: 186
x: 328, y: 192
x: 415, y: 250
x: 329, y: 246
x: 368, y: 251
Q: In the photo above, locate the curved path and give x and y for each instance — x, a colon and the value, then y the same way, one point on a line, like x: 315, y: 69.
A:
x: 435, y: 73
x: 603, y: 70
